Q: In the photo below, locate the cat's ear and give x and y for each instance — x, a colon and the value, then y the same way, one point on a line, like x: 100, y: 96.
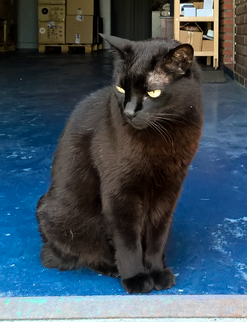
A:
x: 123, y: 46
x: 180, y: 59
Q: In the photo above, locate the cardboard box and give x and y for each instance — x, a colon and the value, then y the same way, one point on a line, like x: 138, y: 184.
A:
x: 194, y: 38
x: 51, y: 12
x: 205, y: 12
x: 80, y: 7
x: 198, y: 5
x: 51, y: 32
x: 208, y: 4
x: 51, y: 1
x: 189, y: 12
x: 182, y: 5
x: 207, y: 45
x: 81, y: 29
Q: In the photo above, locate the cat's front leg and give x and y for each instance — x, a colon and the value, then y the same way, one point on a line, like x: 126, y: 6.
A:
x: 154, y: 258
x: 124, y: 217
x: 129, y: 258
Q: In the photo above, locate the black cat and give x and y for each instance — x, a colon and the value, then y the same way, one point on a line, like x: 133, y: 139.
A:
x: 120, y: 164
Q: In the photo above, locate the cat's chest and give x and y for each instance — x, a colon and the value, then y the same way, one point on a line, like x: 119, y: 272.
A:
x: 136, y: 158
x: 158, y: 152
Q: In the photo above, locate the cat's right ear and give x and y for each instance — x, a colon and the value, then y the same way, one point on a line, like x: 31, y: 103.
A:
x: 180, y: 59
x: 122, y: 46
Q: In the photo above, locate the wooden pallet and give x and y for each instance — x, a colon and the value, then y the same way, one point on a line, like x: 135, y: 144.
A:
x: 65, y: 48
x: 7, y: 47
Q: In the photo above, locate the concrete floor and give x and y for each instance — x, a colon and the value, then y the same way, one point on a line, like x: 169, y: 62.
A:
x: 207, y: 249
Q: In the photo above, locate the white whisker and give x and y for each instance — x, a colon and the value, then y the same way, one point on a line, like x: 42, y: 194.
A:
x: 162, y: 131
x: 172, y: 117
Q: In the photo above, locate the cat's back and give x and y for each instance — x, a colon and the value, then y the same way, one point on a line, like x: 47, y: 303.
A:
x: 84, y: 122
x: 88, y: 112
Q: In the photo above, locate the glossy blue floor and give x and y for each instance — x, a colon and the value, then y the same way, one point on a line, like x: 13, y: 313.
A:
x: 207, y: 248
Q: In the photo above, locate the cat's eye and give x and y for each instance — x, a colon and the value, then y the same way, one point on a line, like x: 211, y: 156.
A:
x: 155, y: 93
x: 120, y: 89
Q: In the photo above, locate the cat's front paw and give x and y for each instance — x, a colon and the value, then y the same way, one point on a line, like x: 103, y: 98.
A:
x: 141, y: 283
x: 163, y: 279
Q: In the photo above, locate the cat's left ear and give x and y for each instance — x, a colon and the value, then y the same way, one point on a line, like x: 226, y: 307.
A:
x: 123, y: 46
x: 180, y: 58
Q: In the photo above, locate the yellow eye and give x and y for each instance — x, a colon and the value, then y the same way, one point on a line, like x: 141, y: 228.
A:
x: 155, y: 93
x: 120, y: 89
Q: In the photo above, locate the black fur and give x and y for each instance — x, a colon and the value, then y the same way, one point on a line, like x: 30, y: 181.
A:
x: 120, y: 164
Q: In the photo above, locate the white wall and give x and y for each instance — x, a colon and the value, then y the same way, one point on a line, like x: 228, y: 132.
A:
x: 27, y: 22
x: 105, y: 12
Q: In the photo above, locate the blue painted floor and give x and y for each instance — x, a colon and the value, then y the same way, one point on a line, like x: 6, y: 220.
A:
x: 207, y: 248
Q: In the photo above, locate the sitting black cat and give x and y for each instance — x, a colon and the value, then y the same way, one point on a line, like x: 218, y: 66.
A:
x: 120, y: 164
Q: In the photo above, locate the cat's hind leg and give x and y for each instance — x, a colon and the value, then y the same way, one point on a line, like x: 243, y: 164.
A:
x: 52, y: 258
x: 72, y: 241
x: 104, y: 262
x: 106, y: 269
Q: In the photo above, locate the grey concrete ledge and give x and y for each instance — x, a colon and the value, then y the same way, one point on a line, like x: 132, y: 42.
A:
x: 142, y: 320
x: 136, y: 307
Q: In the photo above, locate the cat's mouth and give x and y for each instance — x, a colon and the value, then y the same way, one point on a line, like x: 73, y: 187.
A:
x: 136, y: 122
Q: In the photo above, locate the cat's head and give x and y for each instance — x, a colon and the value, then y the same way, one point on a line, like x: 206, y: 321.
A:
x: 152, y: 80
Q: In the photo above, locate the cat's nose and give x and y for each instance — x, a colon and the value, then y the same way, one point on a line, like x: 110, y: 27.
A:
x: 129, y: 110
x: 129, y: 115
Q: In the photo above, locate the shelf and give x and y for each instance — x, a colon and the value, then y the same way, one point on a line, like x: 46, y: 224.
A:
x: 203, y: 53
x: 210, y: 22
x: 196, y: 19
